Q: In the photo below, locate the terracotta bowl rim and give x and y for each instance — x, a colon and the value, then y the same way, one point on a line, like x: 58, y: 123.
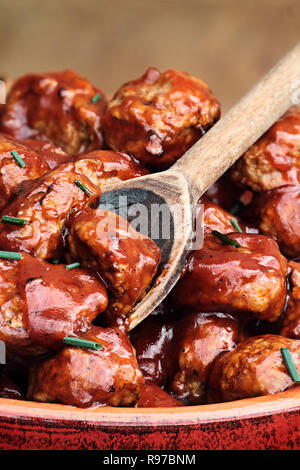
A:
x: 285, y: 402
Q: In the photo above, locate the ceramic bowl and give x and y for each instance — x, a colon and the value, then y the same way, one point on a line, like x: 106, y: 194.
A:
x: 269, y: 422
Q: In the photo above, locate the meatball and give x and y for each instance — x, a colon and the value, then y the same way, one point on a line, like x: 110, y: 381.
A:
x: 11, y: 173
x: 278, y: 212
x: 153, y: 396
x: 156, y: 344
x: 274, y: 160
x: 45, y: 204
x: 159, y: 116
x: 60, y: 107
x: 125, y: 259
x: 53, y: 156
x: 104, y: 167
x: 254, y: 368
x: 216, y: 218
x: 250, y: 278
x: 84, y: 377
x: 204, y: 336
x: 291, y: 321
x: 40, y: 303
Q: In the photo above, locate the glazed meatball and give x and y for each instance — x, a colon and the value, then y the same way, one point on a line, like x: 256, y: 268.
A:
x: 45, y: 204
x: 216, y: 218
x: 249, y: 278
x: 11, y: 173
x: 291, y: 321
x: 159, y: 116
x: 156, y: 344
x: 40, y: 303
x: 60, y: 107
x: 84, y: 377
x: 125, y: 259
x: 274, y: 160
x: 53, y: 156
x: 204, y: 336
x: 278, y: 212
x: 153, y: 396
x: 254, y: 368
x: 104, y: 167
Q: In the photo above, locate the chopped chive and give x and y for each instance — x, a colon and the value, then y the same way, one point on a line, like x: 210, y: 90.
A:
x: 83, y: 188
x: 10, y: 255
x: 236, y: 225
x: 55, y: 261
x: 6, y: 219
x: 226, y: 239
x: 37, y: 151
x: 236, y: 207
x: 18, y: 159
x: 287, y: 357
x: 71, y: 266
x: 96, y: 98
x: 82, y: 343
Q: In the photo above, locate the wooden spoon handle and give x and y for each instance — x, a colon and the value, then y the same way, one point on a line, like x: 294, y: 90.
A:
x: 216, y: 151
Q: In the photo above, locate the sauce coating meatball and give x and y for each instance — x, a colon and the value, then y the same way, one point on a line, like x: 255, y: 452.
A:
x: 40, y: 303
x: 152, y: 396
x: 278, y: 212
x: 45, y: 204
x: 274, y: 160
x: 84, y: 377
x: 204, y: 337
x: 156, y: 345
x: 216, y: 218
x: 125, y: 259
x: 159, y: 116
x: 52, y: 155
x: 104, y: 167
x: 224, y: 278
x: 61, y: 107
x: 11, y: 173
x: 254, y: 368
x: 291, y: 321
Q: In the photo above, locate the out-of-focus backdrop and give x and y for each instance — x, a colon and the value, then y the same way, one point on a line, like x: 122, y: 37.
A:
x: 227, y: 43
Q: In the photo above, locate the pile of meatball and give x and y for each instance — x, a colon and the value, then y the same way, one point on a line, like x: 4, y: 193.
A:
x: 220, y: 333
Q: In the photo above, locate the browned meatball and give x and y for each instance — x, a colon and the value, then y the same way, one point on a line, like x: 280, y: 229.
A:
x: 274, y: 160
x: 204, y: 337
x: 278, y: 212
x: 254, y: 368
x: 104, y: 167
x: 11, y: 173
x: 152, y: 396
x: 61, y: 107
x: 216, y: 218
x: 250, y: 278
x: 46, y: 203
x: 158, y: 116
x: 156, y: 344
x: 291, y: 321
x: 84, y: 377
x: 53, y: 156
x: 40, y: 303
x: 125, y: 259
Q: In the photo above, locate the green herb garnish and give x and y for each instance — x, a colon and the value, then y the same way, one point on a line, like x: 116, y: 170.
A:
x: 82, y: 343
x: 226, y: 239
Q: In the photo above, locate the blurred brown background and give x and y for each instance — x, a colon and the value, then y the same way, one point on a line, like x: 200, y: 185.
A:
x: 229, y: 44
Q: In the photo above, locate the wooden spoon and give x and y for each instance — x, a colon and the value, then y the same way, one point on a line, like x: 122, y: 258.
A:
x: 180, y: 187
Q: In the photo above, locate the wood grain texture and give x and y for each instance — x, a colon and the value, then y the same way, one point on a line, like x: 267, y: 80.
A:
x: 214, y: 153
